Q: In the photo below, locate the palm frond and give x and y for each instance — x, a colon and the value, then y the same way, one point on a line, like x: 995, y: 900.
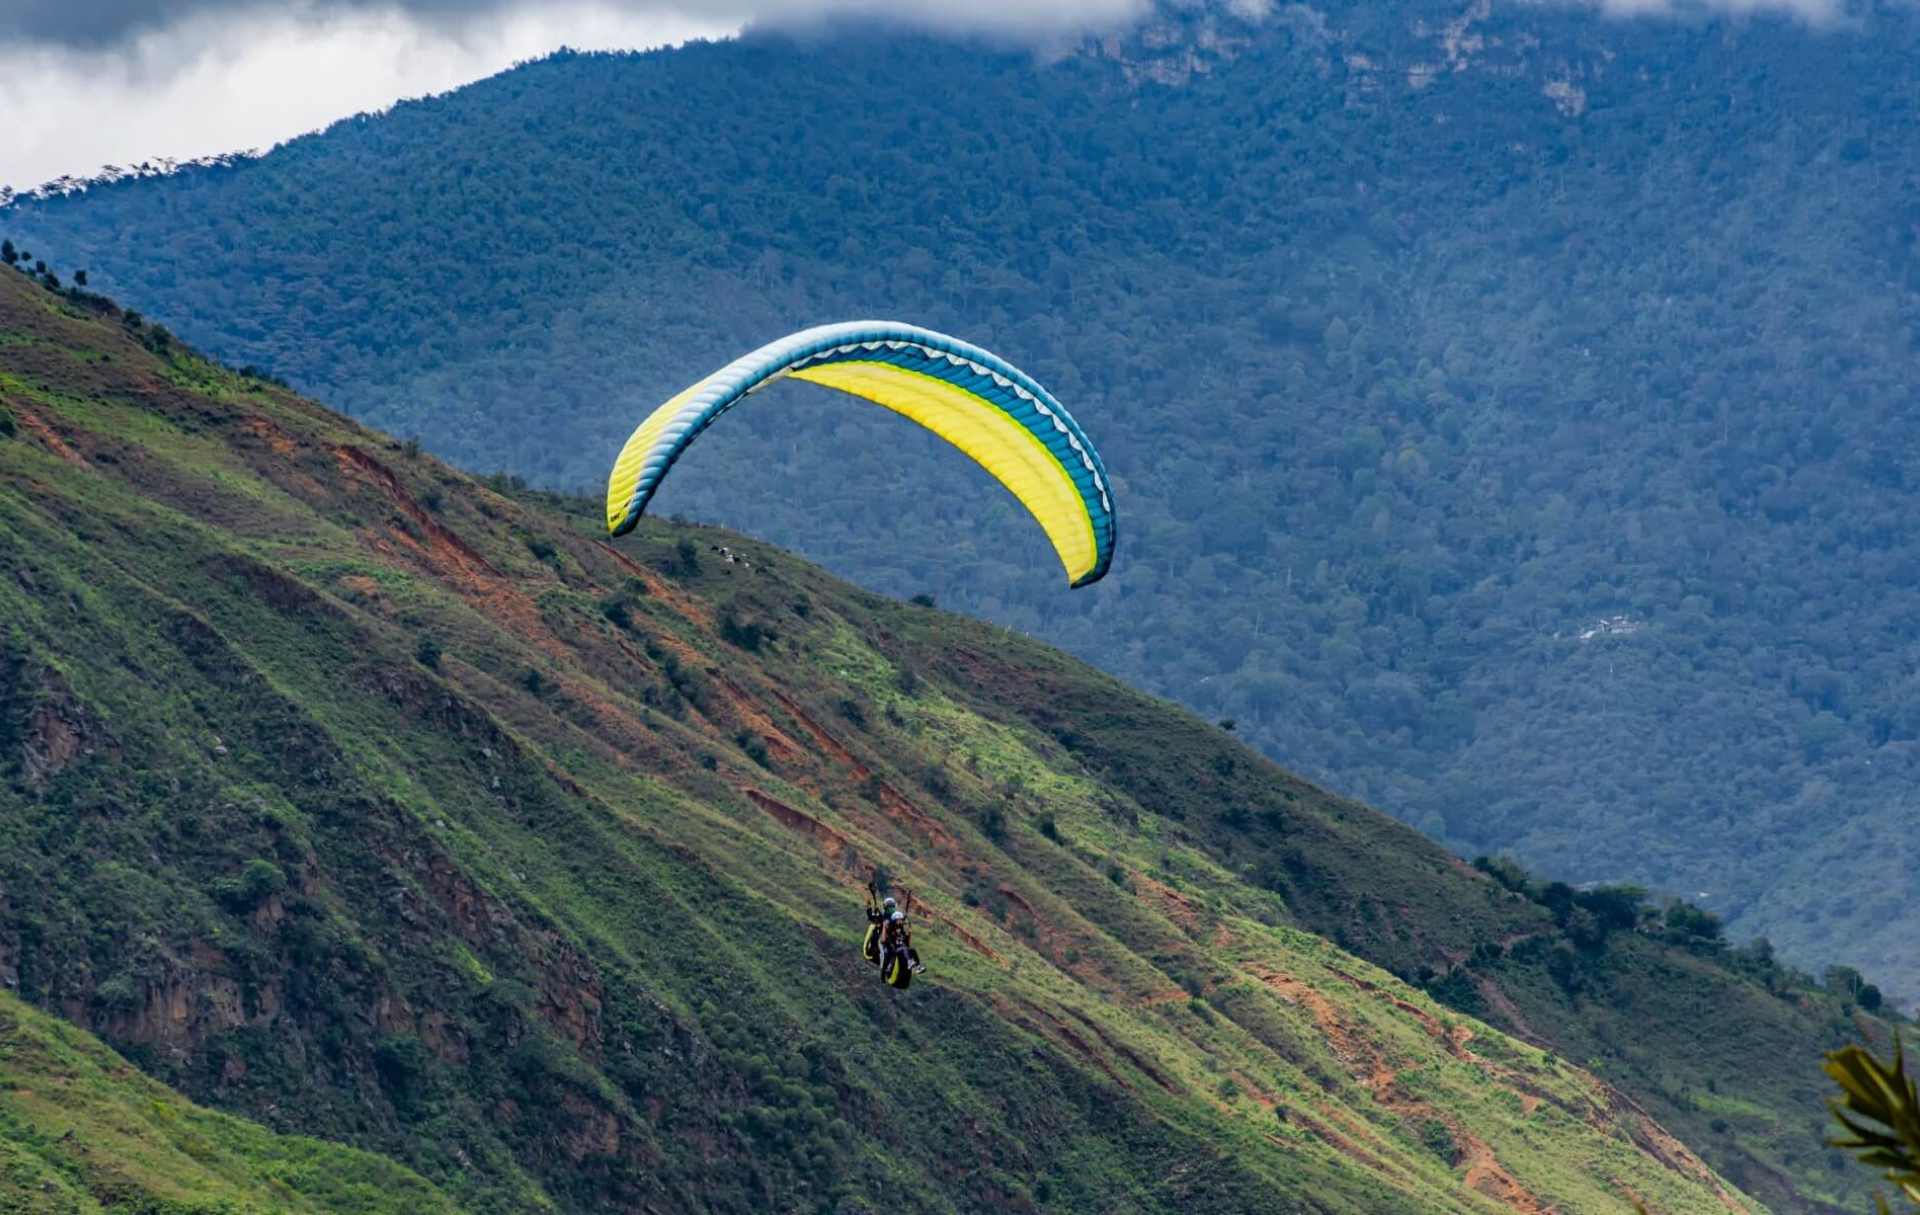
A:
x: 1880, y: 1108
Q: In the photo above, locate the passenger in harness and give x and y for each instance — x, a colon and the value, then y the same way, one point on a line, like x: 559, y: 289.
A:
x: 889, y: 942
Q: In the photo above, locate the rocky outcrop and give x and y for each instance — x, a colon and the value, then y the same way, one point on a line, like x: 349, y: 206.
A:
x: 44, y: 725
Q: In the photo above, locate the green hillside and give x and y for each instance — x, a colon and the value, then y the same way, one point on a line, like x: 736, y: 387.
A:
x: 382, y: 804
x: 83, y: 1133
x: 1512, y: 408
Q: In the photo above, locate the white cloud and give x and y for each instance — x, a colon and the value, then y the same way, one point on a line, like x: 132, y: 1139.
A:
x: 87, y: 83
x: 99, y: 23
x: 1022, y: 18
x: 1813, y: 12
x: 129, y: 82
x: 220, y: 82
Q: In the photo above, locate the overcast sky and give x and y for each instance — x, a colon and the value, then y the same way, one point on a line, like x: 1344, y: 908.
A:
x: 87, y: 83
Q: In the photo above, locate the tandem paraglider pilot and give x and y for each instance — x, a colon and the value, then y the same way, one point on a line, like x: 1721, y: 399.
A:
x: 889, y: 942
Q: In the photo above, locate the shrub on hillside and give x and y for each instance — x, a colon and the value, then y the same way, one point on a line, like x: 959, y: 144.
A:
x: 1688, y: 922
x: 258, y: 880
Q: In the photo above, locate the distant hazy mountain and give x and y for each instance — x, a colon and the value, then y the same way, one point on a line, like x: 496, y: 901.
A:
x: 1512, y: 408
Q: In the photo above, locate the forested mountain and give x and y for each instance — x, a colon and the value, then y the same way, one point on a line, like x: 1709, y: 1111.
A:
x: 1511, y: 408
x: 374, y: 802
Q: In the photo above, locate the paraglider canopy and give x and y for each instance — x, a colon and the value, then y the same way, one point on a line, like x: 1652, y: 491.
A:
x: 985, y: 406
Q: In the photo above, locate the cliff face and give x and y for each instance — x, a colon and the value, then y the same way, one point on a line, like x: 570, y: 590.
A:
x: 381, y: 803
x: 82, y: 1132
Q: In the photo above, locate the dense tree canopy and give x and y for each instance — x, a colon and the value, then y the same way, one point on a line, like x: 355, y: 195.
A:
x: 1512, y: 416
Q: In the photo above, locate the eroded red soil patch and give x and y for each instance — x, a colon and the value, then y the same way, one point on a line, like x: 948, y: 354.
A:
x: 45, y: 433
x: 801, y: 822
x: 755, y: 718
x: 1178, y: 907
x: 898, y: 807
x: 1484, y: 1173
x: 1345, y: 1146
x: 1656, y: 1141
x: 278, y: 441
x: 825, y: 741
x: 443, y: 543
x: 1126, y: 1052
x: 961, y: 934
x: 692, y: 610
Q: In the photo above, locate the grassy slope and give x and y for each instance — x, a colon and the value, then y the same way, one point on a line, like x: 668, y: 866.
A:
x: 82, y: 1132
x: 558, y: 910
x: 1677, y: 1026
